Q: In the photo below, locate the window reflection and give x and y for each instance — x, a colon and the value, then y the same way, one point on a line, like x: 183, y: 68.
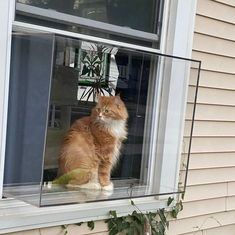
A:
x: 144, y: 14
x: 82, y: 70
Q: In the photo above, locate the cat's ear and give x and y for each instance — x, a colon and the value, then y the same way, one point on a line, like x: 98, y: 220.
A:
x: 118, y: 101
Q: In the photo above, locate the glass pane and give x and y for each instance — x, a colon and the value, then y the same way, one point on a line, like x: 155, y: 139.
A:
x: 83, y: 147
x: 31, y: 61
x: 143, y: 15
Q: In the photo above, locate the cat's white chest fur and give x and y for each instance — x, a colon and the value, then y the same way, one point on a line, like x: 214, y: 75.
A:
x: 117, y: 128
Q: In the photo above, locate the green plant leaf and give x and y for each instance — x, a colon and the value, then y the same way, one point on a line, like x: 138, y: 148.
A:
x: 162, y: 216
x: 131, y: 231
x: 170, y: 200
x: 91, y: 225
x: 113, y: 231
x: 79, y: 224
x: 174, y: 213
x: 113, y: 213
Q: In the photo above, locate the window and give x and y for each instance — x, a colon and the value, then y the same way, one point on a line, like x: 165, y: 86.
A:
x: 51, y: 86
x: 53, y: 83
x: 108, y: 19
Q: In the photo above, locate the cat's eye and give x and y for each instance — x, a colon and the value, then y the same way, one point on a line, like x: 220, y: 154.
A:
x: 98, y: 110
x: 106, y: 110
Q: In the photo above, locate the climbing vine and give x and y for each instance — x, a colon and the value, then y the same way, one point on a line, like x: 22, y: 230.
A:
x: 149, y: 223
x: 138, y: 222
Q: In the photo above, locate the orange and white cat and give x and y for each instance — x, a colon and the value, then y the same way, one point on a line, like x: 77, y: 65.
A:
x: 93, y: 144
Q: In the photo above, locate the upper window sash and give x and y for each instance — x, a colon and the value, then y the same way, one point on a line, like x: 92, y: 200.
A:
x: 59, y: 17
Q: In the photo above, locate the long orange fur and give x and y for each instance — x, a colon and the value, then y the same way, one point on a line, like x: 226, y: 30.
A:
x: 93, y: 142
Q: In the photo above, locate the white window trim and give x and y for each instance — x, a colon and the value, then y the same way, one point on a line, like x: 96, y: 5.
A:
x: 179, y: 42
x: 18, y: 216
x: 6, y: 19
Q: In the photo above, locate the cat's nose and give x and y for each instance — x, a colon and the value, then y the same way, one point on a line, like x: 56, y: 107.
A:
x: 100, y: 115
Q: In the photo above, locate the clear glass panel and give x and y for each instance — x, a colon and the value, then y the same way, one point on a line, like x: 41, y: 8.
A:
x: 77, y: 154
x: 31, y: 61
x: 144, y: 14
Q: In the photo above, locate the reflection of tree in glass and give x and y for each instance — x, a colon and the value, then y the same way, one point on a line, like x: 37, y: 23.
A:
x: 59, y: 5
x: 94, y: 67
x: 92, y: 64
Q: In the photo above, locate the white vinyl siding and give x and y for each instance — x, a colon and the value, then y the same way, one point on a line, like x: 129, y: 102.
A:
x: 209, y: 204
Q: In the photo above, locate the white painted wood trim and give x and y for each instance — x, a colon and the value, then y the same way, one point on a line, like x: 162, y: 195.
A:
x: 31, y: 28
x: 179, y: 42
x: 6, y: 19
x: 19, y: 216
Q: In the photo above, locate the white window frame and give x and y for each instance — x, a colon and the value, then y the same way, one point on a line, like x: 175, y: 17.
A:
x: 177, y: 35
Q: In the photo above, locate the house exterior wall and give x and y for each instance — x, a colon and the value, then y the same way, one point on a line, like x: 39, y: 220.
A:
x: 209, y: 203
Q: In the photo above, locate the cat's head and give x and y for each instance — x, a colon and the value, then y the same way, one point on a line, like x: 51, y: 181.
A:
x: 110, y: 108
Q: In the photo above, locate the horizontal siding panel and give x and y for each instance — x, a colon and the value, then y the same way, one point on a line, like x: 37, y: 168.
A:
x: 212, y: 96
x: 216, y: 10
x: 231, y: 188
x: 213, y: 79
x: 100, y: 227
x: 211, y: 144
x: 214, y: 28
x: 211, y: 160
x: 215, y: 63
x: 205, y: 43
x: 208, y: 221
x: 220, y: 230
x: 44, y: 231
x: 230, y: 204
x: 211, y: 176
x: 211, y: 112
x: 228, y: 2
x: 203, y: 192
x: 210, y: 128
x: 203, y: 207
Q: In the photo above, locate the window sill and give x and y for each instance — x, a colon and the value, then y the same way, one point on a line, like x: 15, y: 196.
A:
x: 18, y: 216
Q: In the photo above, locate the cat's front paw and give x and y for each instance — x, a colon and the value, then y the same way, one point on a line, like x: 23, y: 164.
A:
x: 108, y: 187
x: 93, y: 186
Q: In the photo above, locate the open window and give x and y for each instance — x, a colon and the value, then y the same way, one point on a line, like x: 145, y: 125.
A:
x: 54, y: 81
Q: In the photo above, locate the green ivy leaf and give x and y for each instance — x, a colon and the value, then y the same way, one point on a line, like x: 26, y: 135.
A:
x: 79, y: 224
x: 170, y: 200
x: 138, y: 217
x: 131, y: 231
x: 162, y: 216
x: 113, y: 213
x: 174, y: 213
x: 64, y: 227
x: 91, y: 225
x: 113, y: 231
x: 181, y: 207
x: 110, y: 224
x: 161, y: 228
